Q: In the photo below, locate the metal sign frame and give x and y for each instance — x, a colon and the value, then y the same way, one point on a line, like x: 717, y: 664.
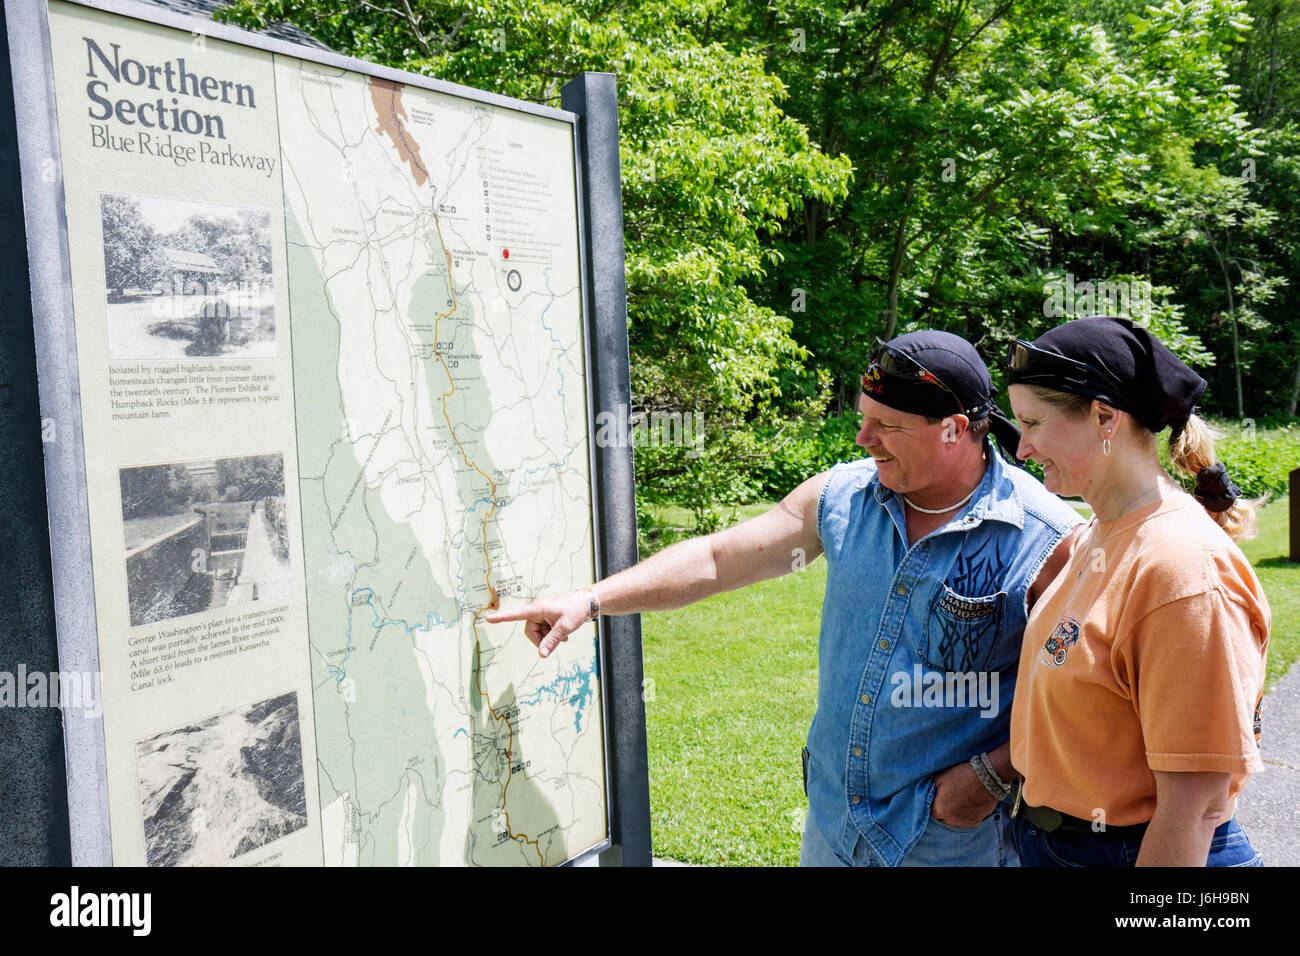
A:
x: 591, y: 110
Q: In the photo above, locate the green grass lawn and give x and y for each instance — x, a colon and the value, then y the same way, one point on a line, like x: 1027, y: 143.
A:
x: 1281, y: 580
x: 735, y: 686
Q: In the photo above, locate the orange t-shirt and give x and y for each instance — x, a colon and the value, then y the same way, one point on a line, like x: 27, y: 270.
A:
x: 1146, y: 653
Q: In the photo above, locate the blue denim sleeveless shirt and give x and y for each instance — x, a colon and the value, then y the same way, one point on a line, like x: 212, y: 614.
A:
x: 896, y: 621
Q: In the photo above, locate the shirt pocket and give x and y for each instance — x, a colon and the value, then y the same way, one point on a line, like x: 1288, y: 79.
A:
x: 964, y: 632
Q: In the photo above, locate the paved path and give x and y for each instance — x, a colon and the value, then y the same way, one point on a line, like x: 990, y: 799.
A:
x: 263, y: 568
x: 1269, y: 808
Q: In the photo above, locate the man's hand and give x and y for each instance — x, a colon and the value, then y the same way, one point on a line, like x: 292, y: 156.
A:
x: 779, y: 541
x: 551, y: 619
x: 960, y: 800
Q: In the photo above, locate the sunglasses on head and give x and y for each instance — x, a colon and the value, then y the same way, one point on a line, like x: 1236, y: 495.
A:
x: 1026, y: 358
x: 891, y: 361
x: 894, y: 362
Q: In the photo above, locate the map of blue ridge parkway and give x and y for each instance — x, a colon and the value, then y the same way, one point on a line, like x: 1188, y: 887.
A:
x: 440, y: 387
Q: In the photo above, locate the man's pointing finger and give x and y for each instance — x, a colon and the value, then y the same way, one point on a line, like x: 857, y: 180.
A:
x: 518, y: 614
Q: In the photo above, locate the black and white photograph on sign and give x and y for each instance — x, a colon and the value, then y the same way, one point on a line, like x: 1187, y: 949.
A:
x: 215, y: 789
x: 186, y: 279
x: 204, y: 534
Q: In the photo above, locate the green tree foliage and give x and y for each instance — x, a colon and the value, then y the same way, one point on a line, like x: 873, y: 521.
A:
x: 1267, y: 69
x: 996, y: 146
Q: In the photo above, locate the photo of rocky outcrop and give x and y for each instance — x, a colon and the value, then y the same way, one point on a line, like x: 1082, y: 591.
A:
x: 215, y: 789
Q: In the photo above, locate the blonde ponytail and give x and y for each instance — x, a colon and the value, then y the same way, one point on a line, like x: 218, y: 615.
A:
x: 1191, y: 453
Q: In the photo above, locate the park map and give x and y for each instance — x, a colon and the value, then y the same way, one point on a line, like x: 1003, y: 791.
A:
x: 439, y: 374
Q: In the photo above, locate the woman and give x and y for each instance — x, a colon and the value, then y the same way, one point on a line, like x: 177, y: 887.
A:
x: 1135, y: 718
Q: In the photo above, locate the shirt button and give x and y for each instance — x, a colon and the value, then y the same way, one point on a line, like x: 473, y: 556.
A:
x: 884, y: 645
x: 866, y: 698
x: 901, y: 589
x: 857, y: 798
x: 857, y: 751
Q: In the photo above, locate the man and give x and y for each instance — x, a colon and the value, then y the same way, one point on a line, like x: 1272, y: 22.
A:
x: 936, y: 549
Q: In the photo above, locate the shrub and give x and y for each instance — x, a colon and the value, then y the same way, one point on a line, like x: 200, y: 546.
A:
x: 800, y: 449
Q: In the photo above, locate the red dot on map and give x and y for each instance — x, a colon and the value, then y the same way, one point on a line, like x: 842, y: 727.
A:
x: 505, y: 253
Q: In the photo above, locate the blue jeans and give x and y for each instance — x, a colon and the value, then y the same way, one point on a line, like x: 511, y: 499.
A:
x: 988, y: 843
x: 1229, y: 847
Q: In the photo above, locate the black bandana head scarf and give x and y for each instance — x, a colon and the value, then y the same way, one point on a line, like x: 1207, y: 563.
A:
x: 1115, y: 361
x: 936, y: 374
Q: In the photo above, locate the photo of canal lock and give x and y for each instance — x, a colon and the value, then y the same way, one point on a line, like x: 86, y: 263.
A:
x: 205, y: 534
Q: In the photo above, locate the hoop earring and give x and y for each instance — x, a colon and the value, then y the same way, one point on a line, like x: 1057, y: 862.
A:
x: 1105, y: 445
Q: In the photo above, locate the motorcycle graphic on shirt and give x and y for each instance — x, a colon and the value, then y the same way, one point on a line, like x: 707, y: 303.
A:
x: 1057, y: 647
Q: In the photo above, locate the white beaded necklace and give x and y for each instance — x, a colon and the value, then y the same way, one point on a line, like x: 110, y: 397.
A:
x: 939, y: 511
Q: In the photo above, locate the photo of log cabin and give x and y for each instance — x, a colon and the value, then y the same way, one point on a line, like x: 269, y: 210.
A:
x: 186, y: 279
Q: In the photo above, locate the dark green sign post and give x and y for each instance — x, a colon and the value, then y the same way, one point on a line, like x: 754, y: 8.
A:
x: 1295, y: 515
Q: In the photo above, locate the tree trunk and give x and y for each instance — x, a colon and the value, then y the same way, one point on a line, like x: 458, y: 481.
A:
x: 1295, y: 391
x: 896, y: 267
x: 891, y: 306
x: 1232, y: 315
x: 812, y: 214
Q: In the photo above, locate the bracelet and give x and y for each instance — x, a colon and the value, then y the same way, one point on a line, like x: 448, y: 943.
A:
x: 593, y: 604
x: 994, y: 784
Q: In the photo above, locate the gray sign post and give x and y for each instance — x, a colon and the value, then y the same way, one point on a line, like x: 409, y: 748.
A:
x: 33, y: 796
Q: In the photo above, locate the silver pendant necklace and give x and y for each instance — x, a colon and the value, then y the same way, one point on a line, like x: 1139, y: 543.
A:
x: 1096, y: 545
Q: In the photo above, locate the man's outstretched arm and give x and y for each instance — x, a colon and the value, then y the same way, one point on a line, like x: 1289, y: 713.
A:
x: 775, y: 543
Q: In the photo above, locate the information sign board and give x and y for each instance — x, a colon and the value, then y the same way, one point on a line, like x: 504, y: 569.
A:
x: 317, y: 344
